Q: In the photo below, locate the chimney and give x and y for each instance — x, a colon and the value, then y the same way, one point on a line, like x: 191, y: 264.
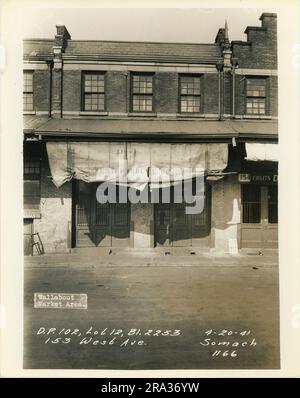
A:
x: 220, y: 38
x: 62, y: 36
x: 268, y: 20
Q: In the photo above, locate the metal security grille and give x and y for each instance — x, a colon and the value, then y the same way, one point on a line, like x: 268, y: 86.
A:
x: 142, y: 92
x: 121, y: 215
x: 200, y: 219
x: 256, y: 96
x: 28, y: 91
x: 99, y: 224
x: 102, y: 214
x: 273, y: 204
x: 190, y: 94
x: 251, y: 201
x: 32, y: 169
x: 83, y: 209
x: 94, y: 92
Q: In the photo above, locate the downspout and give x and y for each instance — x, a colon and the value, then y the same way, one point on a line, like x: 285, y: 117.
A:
x: 219, y: 67
x: 233, y: 93
x: 235, y: 65
x: 61, y: 89
x: 50, y: 66
x: 219, y: 73
x: 223, y: 94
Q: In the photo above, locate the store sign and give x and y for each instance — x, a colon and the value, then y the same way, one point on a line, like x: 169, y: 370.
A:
x: 258, y: 178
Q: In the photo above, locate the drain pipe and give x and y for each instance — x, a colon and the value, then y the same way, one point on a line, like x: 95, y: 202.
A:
x: 235, y: 65
x: 50, y: 67
x: 219, y: 67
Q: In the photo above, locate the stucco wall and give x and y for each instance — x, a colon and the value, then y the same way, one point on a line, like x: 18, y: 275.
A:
x: 225, y: 213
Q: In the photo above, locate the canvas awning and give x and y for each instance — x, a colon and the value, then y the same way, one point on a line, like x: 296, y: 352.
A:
x: 133, y: 163
x: 262, y: 152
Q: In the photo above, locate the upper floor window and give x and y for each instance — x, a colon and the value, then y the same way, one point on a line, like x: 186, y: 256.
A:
x: 93, y: 92
x: 142, y: 93
x: 190, y: 94
x: 256, y: 96
x: 28, y: 91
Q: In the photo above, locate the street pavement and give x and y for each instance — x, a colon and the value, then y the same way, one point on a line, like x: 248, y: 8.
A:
x: 154, y: 312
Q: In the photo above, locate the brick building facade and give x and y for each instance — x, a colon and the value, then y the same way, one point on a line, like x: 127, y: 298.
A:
x: 87, y: 101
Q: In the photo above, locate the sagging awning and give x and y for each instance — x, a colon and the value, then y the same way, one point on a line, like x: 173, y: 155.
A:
x: 258, y: 152
x: 133, y: 163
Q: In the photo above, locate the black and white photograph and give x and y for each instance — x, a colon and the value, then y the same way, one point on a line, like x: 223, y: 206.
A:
x: 150, y: 148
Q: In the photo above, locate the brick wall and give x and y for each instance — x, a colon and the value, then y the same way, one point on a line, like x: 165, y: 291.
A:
x: 41, y: 82
x: 72, y: 90
x: 116, y: 91
x: 260, y: 51
x: 166, y: 95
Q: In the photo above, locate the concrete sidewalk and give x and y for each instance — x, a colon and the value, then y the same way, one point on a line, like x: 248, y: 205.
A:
x: 95, y: 258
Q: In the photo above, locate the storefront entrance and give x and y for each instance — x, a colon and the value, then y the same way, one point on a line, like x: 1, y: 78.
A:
x: 99, y: 224
x: 259, y: 227
x: 173, y: 227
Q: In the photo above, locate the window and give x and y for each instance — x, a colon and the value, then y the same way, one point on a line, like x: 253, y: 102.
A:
x: 273, y: 204
x: 190, y: 94
x: 93, y: 92
x: 256, y: 97
x: 142, y: 93
x: 32, y: 184
x: 251, y: 200
x: 28, y: 91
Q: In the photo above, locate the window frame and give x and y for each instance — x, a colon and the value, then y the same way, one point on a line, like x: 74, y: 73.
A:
x: 132, y: 74
x: 244, y: 202
x: 28, y: 72
x: 273, y: 205
x: 83, y: 92
x: 265, y: 97
x: 32, y: 178
x: 180, y: 95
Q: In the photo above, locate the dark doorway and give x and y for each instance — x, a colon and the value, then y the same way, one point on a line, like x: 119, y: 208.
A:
x: 259, y: 227
x: 100, y: 224
x: 173, y: 227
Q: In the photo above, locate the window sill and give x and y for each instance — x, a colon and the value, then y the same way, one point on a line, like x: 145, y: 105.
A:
x: 87, y: 113
x: 266, y: 117
x: 190, y: 115
x: 29, y: 112
x: 143, y: 114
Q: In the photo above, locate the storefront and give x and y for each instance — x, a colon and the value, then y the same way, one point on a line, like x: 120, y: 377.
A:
x: 151, y: 214
x: 239, y: 192
x: 259, y: 197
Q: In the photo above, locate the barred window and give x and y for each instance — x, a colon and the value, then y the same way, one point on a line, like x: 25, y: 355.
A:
x: 273, y: 204
x: 31, y: 184
x: 256, y: 96
x: 190, y: 94
x: 32, y: 169
x: 142, y: 93
x: 28, y: 91
x: 251, y: 203
x: 93, y: 92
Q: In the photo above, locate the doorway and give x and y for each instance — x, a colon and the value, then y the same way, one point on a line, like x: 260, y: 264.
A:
x: 259, y: 228
x: 97, y: 224
x: 173, y: 227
